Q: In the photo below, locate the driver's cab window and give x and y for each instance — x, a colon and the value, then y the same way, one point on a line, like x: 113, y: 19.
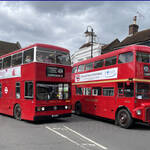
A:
x: 28, y: 90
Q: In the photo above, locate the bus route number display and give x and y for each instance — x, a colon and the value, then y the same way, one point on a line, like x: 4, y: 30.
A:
x: 55, y: 72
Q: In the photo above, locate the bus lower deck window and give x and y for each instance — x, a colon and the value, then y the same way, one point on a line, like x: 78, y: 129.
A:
x: 87, y: 91
x: 18, y: 90
x: 78, y: 91
x: 96, y: 91
x: 108, y: 91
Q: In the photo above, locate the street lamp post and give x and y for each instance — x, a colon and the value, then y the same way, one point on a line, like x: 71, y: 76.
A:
x: 87, y: 33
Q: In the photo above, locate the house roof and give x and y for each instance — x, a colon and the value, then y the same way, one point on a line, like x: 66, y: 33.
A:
x: 107, y: 47
x: 136, y: 38
x: 85, y: 45
x: 7, y: 47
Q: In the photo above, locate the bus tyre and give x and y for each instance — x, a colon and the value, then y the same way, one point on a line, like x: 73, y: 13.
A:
x: 124, y: 119
x: 78, y: 108
x: 17, y: 112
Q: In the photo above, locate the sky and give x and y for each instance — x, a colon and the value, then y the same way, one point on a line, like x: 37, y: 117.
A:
x: 64, y: 23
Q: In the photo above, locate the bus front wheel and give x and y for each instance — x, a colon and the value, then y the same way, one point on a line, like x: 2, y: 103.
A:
x: 17, y: 112
x: 78, y: 108
x: 124, y: 119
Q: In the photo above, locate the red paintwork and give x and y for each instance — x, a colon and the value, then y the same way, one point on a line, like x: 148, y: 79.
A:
x: 107, y: 106
x: 33, y: 72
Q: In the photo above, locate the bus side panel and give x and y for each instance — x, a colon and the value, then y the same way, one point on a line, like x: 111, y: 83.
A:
x: 103, y: 106
x: 28, y: 108
x: 6, y: 101
x: 126, y: 71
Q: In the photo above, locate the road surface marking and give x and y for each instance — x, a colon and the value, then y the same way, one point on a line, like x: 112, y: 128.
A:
x: 63, y: 129
x: 65, y: 137
x: 82, y: 145
x: 97, y: 144
x: 88, y: 144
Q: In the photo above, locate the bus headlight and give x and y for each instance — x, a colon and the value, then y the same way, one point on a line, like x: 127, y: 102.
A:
x: 42, y: 108
x: 138, y: 112
x: 66, y: 107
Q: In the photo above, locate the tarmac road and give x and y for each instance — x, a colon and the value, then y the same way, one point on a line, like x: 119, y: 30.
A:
x: 74, y: 133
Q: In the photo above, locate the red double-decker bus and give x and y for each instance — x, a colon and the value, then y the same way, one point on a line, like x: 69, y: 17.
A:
x: 35, y: 82
x: 115, y: 85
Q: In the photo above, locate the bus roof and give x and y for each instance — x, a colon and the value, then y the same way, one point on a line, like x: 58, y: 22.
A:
x: 113, y: 53
x: 37, y: 45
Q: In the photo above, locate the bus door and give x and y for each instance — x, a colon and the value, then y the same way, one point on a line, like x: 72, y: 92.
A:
x: 28, y: 101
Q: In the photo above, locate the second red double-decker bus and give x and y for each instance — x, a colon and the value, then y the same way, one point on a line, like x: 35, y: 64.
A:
x: 115, y: 85
x: 35, y: 82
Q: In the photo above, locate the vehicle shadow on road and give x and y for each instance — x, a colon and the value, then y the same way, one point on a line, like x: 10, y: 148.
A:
x: 136, y: 126
x: 37, y: 122
x: 97, y: 118
x: 141, y: 126
x: 49, y: 121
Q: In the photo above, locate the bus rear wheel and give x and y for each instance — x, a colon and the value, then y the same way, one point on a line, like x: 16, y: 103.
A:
x: 124, y: 119
x: 17, y: 112
x: 78, y: 108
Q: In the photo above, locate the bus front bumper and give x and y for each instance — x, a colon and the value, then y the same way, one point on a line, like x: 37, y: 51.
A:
x: 142, y: 113
x: 45, y: 117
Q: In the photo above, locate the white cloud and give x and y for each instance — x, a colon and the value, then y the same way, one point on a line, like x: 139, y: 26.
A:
x: 64, y: 23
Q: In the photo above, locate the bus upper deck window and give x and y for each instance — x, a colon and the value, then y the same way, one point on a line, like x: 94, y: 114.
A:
x: 1, y: 63
x: 143, y: 57
x: 17, y: 59
x: 81, y: 68
x: 74, y: 70
x: 89, y: 66
x: 125, y: 57
x: 28, y: 56
x: 110, y: 61
x: 7, y: 62
x: 63, y: 58
x: 98, y: 64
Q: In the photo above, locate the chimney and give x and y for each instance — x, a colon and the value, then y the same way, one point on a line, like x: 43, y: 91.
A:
x: 133, y: 28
